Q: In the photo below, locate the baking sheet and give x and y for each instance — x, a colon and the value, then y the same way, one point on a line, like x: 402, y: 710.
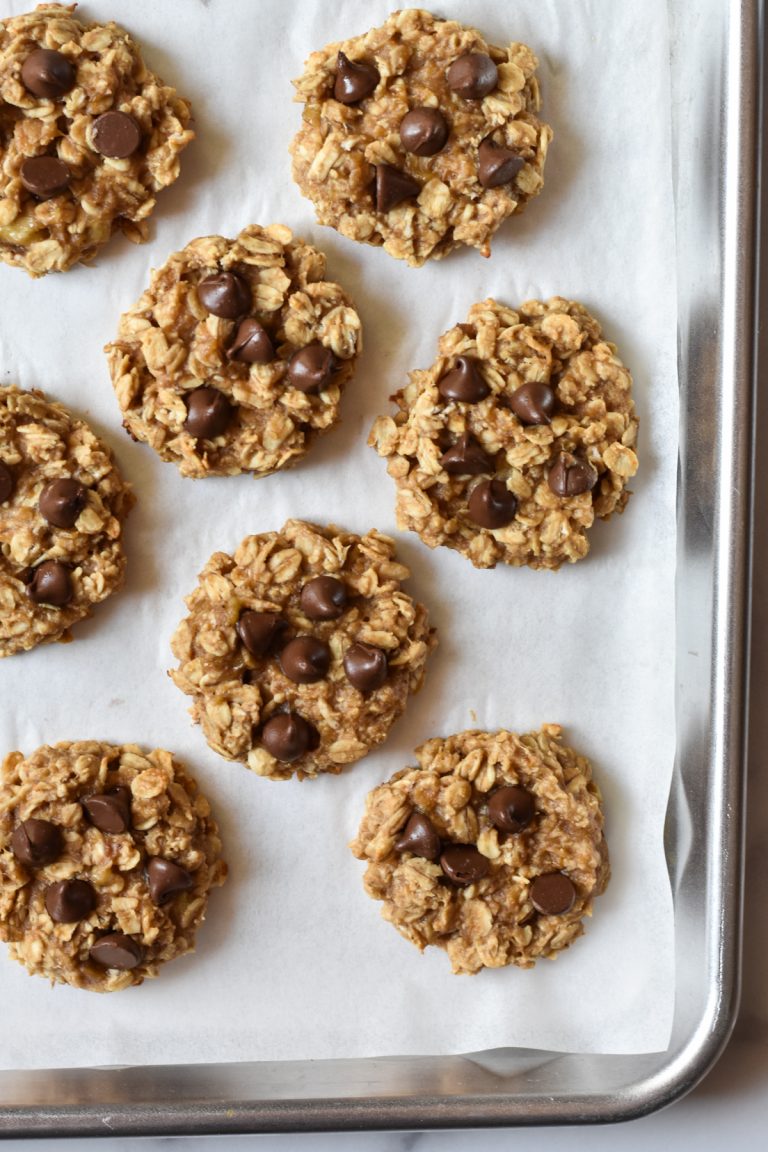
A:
x: 294, y: 961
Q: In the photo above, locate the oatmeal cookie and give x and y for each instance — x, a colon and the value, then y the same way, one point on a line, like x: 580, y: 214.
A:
x: 89, y: 137
x: 107, y: 855
x: 419, y: 136
x: 302, y: 649
x: 62, y: 506
x: 492, y: 848
x: 518, y: 436
x: 237, y: 354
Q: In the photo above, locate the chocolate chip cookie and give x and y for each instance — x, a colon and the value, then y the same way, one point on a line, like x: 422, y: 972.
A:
x: 302, y: 649
x: 62, y: 507
x: 518, y: 436
x: 107, y: 856
x: 89, y: 137
x: 492, y: 848
x: 419, y: 136
x: 236, y: 356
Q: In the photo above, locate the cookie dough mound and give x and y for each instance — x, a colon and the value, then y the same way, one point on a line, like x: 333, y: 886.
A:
x: 419, y: 136
x: 62, y: 507
x: 107, y: 855
x: 518, y: 436
x: 492, y: 848
x: 89, y: 136
x: 237, y: 354
x: 302, y: 649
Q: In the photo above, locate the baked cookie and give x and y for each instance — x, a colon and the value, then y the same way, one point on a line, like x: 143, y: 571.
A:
x: 419, y: 136
x: 107, y: 855
x: 236, y: 356
x: 89, y: 137
x: 302, y: 649
x: 492, y: 848
x: 62, y: 507
x: 518, y: 436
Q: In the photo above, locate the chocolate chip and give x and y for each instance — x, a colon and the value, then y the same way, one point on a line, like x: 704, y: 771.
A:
x: 45, y: 176
x: 305, y: 660
x: 552, y: 894
x: 354, y: 80
x: 251, y: 344
x: 6, y: 482
x: 62, y: 501
x: 115, y: 134
x: 472, y: 76
x: 510, y: 808
x: 492, y: 505
x: 50, y: 583
x: 497, y: 165
x: 262, y: 633
x: 466, y: 457
x: 47, y: 74
x: 323, y: 598
x: 165, y: 879
x: 110, y: 811
x: 463, y: 864
x: 424, y: 131
x: 419, y: 837
x: 392, y: 187
x: 117, y: 951
x: 463, y: 382
x: 287, y: 736
x: 366, y: 667
x: 208, y: 413
x: 570, y: 475
x: 35, y: 843
x: 533, y: 403
x: 69, y: 900
x: 225, y: 294
x: 311, y: 368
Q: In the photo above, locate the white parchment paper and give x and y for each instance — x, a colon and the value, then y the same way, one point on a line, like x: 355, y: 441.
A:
x: 294, y: 960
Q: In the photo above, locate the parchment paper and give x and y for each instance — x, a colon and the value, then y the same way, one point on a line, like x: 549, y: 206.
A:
x: 294, y: 960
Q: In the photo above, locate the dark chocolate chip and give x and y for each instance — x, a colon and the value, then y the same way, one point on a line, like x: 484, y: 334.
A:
x: 251, y: 344
x: 552, y: 894
x: 463, y: 382
x: 497, y: 165
x: 466, y: 457
x: 354, y: 80
x: 225, y: 294
x: 62, y: 501
x: 424, y: 131
x: 311, y: 368
x: 110, y: 811
x: 510, y: 808
x: 262, y: 633
x: 50, y: 583
x: 571, y: 475
x: 392, y: 187
x: 324, y: 598
x: 492, y: 505
x: 533, y: 403
x: 47, y: 74
x: 208, y: 413
x: 165, y: 879
x: 117, y: 951
x: 6, y: 482
x: 305, y: 660
x: 35, y: 843
x: 472, y: 76
x: 419, y: 837
x: 366, y: 666
x: 463, y: 864
x: 287, y: 736
x: 115, y: 134
x: 45, y: 176
x: 69, y: 900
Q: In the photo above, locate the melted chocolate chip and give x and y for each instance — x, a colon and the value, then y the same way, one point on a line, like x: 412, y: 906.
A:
x: 324, y: 598
x: 225, y: 294
x: 497, y: 165
x: 463, y: 382
x: 424, y: 131
x: 115, y: 134
x: 6, y: 482
x: 311, y: 368
x: 51, y: 583
x: 419, y: 838
x: 208, y: 413
x: 354, y: 80
x: 466, y: 457
x: 366, y: 667
x: 305, y: 660
x: 491, y: 504
x: 117, y: 951
x: 571, y: 476
x: 166, y: 879
x: 552, y: 894
x: 110, y: 811
x: 62, y: 501
x: 36, y: 843
x: 45, y: 176
x: 463, y: 864
x: 68, y: 901
x: 533, y: 403
x: 472, y: 76
x: 510, y: 808
x: 392, y: 187
x: 47, y: 74
x: 251, y: 344
x: 262, y: 633
x: 287, y: 736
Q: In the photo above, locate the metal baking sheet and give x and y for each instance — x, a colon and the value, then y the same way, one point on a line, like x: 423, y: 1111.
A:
x: 716, y: 77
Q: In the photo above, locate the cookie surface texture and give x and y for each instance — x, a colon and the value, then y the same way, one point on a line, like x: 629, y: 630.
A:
x: 419, y: 136
x: 492, y: 848
x: 62, y: 507
x: 237, y: 355
x: 518, y: 436
x: 107, y: 856
x: 90, y: 136
x: 302, y: 649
